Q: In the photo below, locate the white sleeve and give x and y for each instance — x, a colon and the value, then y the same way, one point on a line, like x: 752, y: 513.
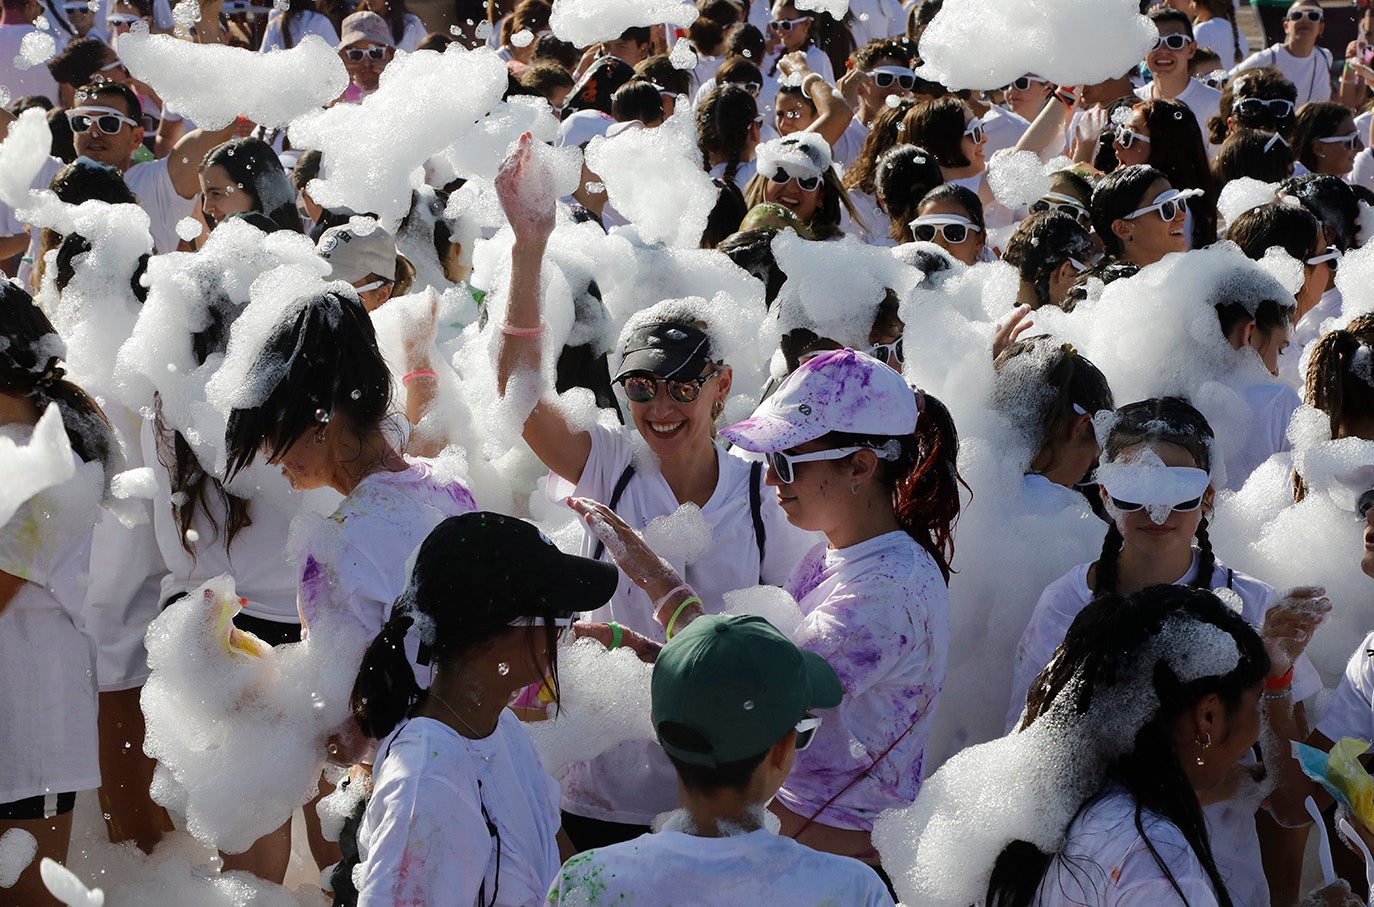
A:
x: 417, y: 854
x: 1038, y: 642
x: 1351, y: 713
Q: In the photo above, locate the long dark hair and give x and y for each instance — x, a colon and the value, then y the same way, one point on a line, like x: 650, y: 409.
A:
x: 1073, y: 384
x: 1170, y: 419
x: 1316, y: 120
x: 924, y: 478
x: 724, y: 118
x: 938, y: 127
x: 904, y: 176
x: 1178, y: 150
x: 1111, y: 644
x: 436, y: 596
x: 1333, y: 202
x: 325, y: 352
x: 1116, y: 195
x: 1336, y: 383
x: 255, y: 168
x: 30, y: 366
x: 885, y: 133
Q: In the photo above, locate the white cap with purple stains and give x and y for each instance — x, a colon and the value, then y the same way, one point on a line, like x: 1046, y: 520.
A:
x: 837, y: 391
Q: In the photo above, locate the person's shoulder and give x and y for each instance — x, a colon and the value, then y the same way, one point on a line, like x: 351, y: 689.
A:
x: 1201, y: 91
x: 1143, y: 92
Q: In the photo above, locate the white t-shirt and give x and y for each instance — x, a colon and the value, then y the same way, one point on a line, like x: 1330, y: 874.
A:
x: 876, y: 19
x: 423, y: 838
x: 850, y: 143
x: 306, y: 23
x: 1309, y: 329
x: 1311, y: 74
x: 1271, y: 406
x: 263, y: 574
x: 877, y: 611
x: 817, y: 60
x: 34, y: 80
x: 1351, y: 712
x: 1362, y: 172
x: 47, y: 660
x: 1203, y: 100
x: 875, y: 219
x: 744, y: 172
x: 755, y: 868
x: 1003, y: 129
x: 1106, y: 862
x: 1217, y: 34
x: 634, y: 782
x: 1235, y: 844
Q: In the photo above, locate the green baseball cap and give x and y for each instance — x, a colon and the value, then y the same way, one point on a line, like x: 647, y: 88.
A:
x: 740, y: 684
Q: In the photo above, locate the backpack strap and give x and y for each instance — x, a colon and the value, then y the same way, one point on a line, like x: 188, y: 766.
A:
x: 1230, y: 577
x: 614, y: 502
x: 756, y: 509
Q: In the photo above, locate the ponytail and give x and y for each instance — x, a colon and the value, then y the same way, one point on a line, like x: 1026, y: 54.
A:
x: 1207, y: 561
x: 386, y: 688
x: 927, y: 497
x: 1340, y: 374
x: 1106, y: 562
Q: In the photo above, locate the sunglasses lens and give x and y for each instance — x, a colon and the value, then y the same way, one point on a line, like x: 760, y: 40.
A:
x: 924, y: 233
x: 683, y: 391
x: 805, y: 737
x: 808, y: 183
x: 1170, y: 210
x: 108, y: 124
x: 1366, y: 501
x: 780, y: 177
x: 906, y: 83
x: 1039, y: 207
x: 781, y: 466
x: 977, y: 135
x: 1126, y: 506
x: 883, y: 79
x: 955, y: 233
x: 1187, y: 506
x: 1021, y: 84
x: 639, y: 389
x: 80, y: 123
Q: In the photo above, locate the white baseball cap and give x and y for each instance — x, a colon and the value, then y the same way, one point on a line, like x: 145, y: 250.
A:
x: 837, y: 391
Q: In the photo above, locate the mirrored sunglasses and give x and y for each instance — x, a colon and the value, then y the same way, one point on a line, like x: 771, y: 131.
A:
x: 644, y: 388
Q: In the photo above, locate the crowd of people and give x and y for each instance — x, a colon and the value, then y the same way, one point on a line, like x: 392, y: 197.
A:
x: 942, y: 494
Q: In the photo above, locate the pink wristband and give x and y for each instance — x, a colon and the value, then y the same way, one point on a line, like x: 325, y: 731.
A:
x: 671, y: 592
x: 420, y: 373
x: 511, y: 331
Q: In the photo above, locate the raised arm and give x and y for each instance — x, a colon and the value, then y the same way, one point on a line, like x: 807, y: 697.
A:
x: 525, y: 188
x: 183, y: 161
x: 832, y: 112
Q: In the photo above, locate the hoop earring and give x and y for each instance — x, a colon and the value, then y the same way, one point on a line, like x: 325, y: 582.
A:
x: 1205, y: 742
x: 854, y: 488
x: 716, y: 409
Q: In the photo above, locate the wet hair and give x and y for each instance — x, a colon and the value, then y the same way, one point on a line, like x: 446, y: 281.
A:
x: 1338, y: 381
x: 1260, y: 155
x: 1159, y: 419
x: 1267, y: 83
x: 1177, y: 150
x: 79, y: 62
x: 546, y: 78
x: 91, y: 94
x: 1234, y: 310
x: 884, y: 49
x: 726, y: 214
x: 637, y: 100
x: 1101, y: 652
x: 31, y: 356
x: 1316, y: 120
x: 325, y: 351
x: 1331, y: 200
x: 885, y: 133
x: 938, y: 126
x: 660, y: 70
x: 924, y: 479
x: 752, y: 250
x: 75, y: 184
x: 962, y: 196
x: 746, y: 41
x: 1291, y: 228
x: 1116, y: 195
x: 1041, y: 244
x: 255, y: 168
x: 725, y: 118
x: 904, y: 177
x: 705, y: 779
x: 1166, y: 14
x: 1071, y: 380
x: 385, y: 688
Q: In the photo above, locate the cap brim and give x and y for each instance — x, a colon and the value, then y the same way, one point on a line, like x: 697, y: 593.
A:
x: 765, y: 434
x: 826, y: 691
x: 579, y: 584
x: 664, y: 363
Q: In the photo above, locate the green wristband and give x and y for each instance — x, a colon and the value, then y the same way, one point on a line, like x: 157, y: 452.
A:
x: 617, y: 636
x: 685, y: 602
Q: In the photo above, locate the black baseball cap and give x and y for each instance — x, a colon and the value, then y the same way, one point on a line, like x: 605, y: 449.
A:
x: 676, y: 351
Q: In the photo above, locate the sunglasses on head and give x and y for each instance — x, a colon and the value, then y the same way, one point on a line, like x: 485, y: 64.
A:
x: 1065, y: 204
x: 752, y: 87
x: 1297, y: 15
x: 1254, y: 107
x: 787, y: 24
x: 1171, y: 205
x: 357, y: 55
x: 1172, y: 42
x: 884, y: 76
x: 107, y: 121
x: 806, y: 730
x: 888, y: 352
x: 1182, y: 507
x: 119, y: 20
x: 644, y: 388
x: 1025, y: 82
x: 784, y: 465
x: 1351, y: 140
x: 953, y: 228
x: 974, y: 129
x: 805, y: 183
x: 1126, y: 137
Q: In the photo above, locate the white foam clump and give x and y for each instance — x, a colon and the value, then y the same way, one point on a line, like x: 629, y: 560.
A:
x: 836, y: 8
x: 35, y: 49
x: 1071, y: 42
x: 214, y: 83
x: 23, y: 154
x: 374, y: 152
x: 169, y: 877
x: 212, y: 709
x: 1027, y: 786
x: 769, y: 602
x: 480, y: 150
x: 655, y: 178
x: 1018, y: 178
x: 683, y: 535
x: 584, y: 22
x: 683, y: 56
x: 17, y: 850
x: 188, y: 228
x: 63, y: 884
x: 45, y: 461
x: 134, y: 483
x: 1241, y: 195
x: 604, y: 702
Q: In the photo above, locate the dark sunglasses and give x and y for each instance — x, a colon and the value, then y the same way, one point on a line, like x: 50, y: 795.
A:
x: 108, y: 123
x: 1040, y: 206
x: 644, y: 388
x: 975, y: 132
x: 1365, y: 502
x: 784, y: 465
x: 885, y: 79
x: 806, y: 730
x: 1024, y: 83
x: 1130, y: 507
x: 888, y: 352
x: 1172, y: 42
x: 1255, y: 107
x: 787, y: 24
x: 805, y: 183
x: 1297, y: 15
x: 953, y: 233
x: 357, y: 55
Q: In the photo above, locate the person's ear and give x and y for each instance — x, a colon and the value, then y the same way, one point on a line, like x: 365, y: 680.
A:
x: 863, y: 465
x: 1209, y: 717
x: 1249, y: 334
x: 1208, y: 497
x: 1077, y: 425
x: 1065, y: 272
x: 1122, y: 229
x: 723, y: 382
x: 780, y: 754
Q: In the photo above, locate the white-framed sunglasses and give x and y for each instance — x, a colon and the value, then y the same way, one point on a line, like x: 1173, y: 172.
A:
x: 1172, y: 42
x: 784, y: 464
x: 885, y: 76
x: 1171, y: 204
x: 974, y: 130
x: 1128, y: 137
x: 1024, y: 83
x: 563, y: 624
x: 1332, y: 254
x: 806, y: 730
x: 374, y: 285
x: 787, y: 24
x: 1350, y: 140
x: 952, y: 227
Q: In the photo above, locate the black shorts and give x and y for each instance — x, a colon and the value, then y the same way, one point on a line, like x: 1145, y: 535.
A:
x: 273, y: 632
x: 44, y: 806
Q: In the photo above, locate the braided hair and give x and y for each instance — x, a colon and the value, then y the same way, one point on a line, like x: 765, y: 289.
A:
x: 1174, y: 421
x: 1340, y: 381
x: 724, y: 119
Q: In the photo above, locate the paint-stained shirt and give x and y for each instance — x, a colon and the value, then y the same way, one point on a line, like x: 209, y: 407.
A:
x: 878, y: 611
x: 672, y: 869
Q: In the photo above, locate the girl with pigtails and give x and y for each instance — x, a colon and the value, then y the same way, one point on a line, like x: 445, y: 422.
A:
x: 728, y: 132
x: 1156, y: 485
x: 1340, y: 378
